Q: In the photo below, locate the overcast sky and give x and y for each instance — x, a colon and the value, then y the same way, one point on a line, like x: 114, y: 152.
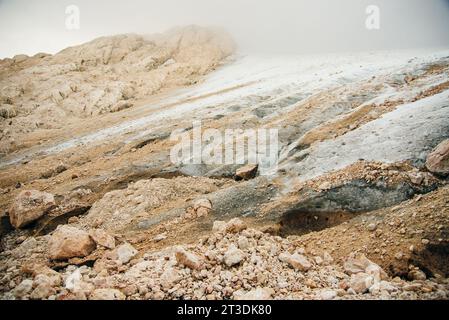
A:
x: 284, y: 26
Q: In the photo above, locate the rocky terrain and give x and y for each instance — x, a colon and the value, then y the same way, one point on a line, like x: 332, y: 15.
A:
x: 45, y: 93
x: 93, y: 208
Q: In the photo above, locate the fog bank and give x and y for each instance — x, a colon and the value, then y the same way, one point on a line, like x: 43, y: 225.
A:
x: 285, y: 26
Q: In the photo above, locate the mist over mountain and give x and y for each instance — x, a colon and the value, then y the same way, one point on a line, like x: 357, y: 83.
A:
x: 288, y: 26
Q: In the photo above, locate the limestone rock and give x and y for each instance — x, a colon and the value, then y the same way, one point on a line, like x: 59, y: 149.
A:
x: 233, y: 256
x: 44, y: 287
x: 29, y: 206
x: 247, y: 172
x: 361, y: 264
x: 243, y: 243
x: 361, y: 282
x: 355, y: 264
x: 160, y: 237
x: 102, y: 238
x: 256, y: 294
x: 202, y: 207
x: 438, y: 160
x: 188, y: 259
x: 69, y: 242
x: 107, y: 294
x: 73, y: 280
x: 296, y: 261
x: 52, y: 280
x: 235, y: 226
x: 416, y: 274
x: 23, y: 288
x: 328, y: 294
x: 219, y: 226
x: 125, y: 253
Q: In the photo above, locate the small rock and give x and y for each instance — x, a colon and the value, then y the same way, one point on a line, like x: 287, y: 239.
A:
x: 399, y: 256
x: 169, y: 277
x: 438, y: 160
x: 376, y: 272
x: 328, y: 294
x: 243, y: 243
x: 300, y: 262
x: 102, y: 238
x: 29, y: 206
x: 233, y: 256
x: 327, y: 258
x: 219, y: 226
x: 361, y: 282
x: 356, y: 264
x: 318, y: 260
x: 42, y: 291
x: 125, y: 253
x: 235, y: 226
x: 256, y: 294
x: 247, y: 172
x: 107, y: 294
x: 69, y: 242
x: 325, y: 186
x: 372, y: 227
x: 51, y: 280
x: 73, y: 280
x: 160, y: 237
x: 202, y: 207
x: 297, y: 261
x: 188, y: 259
x: 23, y: 288
x: 416, y: 274
x: 416, y: 178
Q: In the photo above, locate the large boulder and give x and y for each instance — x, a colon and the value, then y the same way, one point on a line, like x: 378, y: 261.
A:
x: 69, y: 242
x: 29, y: 206
x: 438, y: 160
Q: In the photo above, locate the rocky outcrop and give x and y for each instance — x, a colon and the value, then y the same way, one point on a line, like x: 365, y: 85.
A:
x: 337, y: 197
x: 108, y: 74
x: 146, y: 195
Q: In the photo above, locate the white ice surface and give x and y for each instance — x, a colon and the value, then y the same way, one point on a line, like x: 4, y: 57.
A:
x: 261, y: 78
